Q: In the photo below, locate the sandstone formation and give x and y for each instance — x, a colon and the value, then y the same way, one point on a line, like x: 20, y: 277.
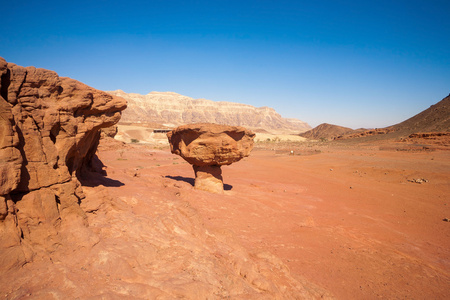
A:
x: 173, y: 110
x: 49, y: 133
x: 208, y: 147
x: 109, y: 131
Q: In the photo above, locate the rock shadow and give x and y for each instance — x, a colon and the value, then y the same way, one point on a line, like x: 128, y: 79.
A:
x: 93, y: 174
x: 227, y: 187
x: 93, y: 179
x: 191, y: 181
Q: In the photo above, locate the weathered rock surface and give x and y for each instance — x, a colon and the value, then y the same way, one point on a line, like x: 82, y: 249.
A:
x: 109, y: 131
x: 209, y: 146
x: 49, y: 133
x: 173, y: 109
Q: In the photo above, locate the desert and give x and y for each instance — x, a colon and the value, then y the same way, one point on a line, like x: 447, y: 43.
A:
x: 336, y: 222
x: 95, y: 210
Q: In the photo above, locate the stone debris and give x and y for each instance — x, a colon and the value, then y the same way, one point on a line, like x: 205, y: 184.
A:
x: 418, y: 180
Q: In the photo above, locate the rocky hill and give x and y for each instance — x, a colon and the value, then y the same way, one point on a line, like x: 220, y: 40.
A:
x: 325, y: 131
x: 430, y: 124
x: 434, y: 119
x: 172, y: 109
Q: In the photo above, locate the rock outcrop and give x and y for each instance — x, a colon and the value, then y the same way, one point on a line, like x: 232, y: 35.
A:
x: 49, y: 133
x: 173, y: 110
x: 209, y: 146
x: 364, y: 133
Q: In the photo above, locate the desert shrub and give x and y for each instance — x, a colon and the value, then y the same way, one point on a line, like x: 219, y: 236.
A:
x: 121, y: 152
x: 134, y: 140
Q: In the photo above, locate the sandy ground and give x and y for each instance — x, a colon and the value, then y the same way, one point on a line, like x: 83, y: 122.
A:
x: 145, y: 135
x: 334, y: 220
x: 261, y: 137
x: 351, y: 220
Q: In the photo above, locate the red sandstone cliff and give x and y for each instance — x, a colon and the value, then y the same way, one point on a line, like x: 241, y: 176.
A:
x: 49, y: 133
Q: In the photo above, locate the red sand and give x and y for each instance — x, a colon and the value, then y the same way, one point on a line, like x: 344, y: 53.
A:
x: 348, y: 220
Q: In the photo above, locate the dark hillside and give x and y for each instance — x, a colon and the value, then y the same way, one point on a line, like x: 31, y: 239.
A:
x: 326, y: 131
x: 434, y: 119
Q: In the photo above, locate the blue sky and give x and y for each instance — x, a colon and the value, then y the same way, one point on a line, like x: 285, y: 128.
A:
x: 350, y: 63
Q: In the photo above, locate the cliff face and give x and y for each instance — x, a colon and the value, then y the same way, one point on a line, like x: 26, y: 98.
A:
x: 49, y: 132
x: 174, y: 110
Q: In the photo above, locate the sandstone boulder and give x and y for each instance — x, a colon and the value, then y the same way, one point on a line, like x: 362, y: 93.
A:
x: 49, y: 133
x: 209, y: 146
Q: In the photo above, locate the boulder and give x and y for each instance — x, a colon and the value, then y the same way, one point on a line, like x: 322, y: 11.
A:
x: 49, y: 133
x: 208, y: 147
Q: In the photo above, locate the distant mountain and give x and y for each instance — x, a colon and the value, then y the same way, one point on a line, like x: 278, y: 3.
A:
x: 172, y: 109
x: 435, y: 119
x: 325, y: 131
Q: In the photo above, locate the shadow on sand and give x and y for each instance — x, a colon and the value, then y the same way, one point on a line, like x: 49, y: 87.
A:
x: 191, y: 181
x: 93, y: 179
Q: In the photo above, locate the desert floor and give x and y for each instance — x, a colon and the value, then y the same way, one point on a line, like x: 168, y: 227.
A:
x: 350, y: 219
x: 343, y: 220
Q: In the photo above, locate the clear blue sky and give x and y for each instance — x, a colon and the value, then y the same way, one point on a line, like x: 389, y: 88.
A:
x: 350, y: 63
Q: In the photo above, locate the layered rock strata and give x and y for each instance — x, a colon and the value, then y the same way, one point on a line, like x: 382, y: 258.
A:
x: 49, y: 133
x: 208, y: 147
x: 173, y: 110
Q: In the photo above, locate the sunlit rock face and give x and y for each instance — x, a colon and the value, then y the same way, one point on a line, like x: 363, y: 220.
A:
x: 175, y: 110
x: 49, y: 133
x: 209, y: 146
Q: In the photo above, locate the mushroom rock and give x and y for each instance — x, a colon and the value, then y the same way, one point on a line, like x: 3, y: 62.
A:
x: 49, y: 133
x: 208, y: 147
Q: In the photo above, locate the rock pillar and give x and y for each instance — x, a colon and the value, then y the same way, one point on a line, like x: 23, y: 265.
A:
x: 208, y: 178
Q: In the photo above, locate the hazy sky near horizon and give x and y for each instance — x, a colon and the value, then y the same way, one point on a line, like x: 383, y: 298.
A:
x: 350, y: 63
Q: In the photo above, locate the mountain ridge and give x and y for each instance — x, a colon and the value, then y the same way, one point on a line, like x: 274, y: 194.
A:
x: 435, y: 119
x: 173, y: 109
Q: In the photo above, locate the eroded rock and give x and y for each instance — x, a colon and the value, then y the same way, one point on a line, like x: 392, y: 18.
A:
x: 49, y: 133
x: 208, y: 147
